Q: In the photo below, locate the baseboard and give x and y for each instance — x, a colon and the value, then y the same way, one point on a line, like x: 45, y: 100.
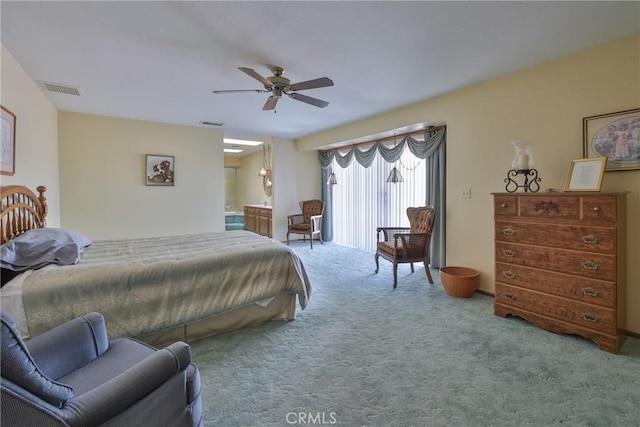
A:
x: 632, y: 334
x: 489, y: 294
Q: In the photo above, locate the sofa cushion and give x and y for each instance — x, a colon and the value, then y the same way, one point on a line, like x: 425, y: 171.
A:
x: 17, y: 365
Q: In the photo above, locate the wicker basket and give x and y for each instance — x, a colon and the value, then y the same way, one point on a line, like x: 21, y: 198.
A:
x: 460, y: 282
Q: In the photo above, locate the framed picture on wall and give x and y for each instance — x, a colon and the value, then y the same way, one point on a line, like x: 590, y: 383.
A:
x: 8, y: 143
x: 615, y: 136
x: 586, y: 174
x: 160, y: 170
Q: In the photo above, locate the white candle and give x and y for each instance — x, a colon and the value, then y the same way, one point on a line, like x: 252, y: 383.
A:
x: 523, y: 162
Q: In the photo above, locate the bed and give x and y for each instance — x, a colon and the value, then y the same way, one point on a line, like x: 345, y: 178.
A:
x: 158, y: 289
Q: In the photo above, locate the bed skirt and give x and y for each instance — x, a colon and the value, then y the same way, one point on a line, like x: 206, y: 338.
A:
x: 282, y: 307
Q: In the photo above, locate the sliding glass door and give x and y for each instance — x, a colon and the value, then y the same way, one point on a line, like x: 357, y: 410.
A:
x: 363, y: 200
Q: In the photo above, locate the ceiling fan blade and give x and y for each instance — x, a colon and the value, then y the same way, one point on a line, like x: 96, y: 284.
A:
x: 251, y: 72
x: 271, y: 103
x: 312, y: 84
x: 309, y: 100
x: 239, y: 90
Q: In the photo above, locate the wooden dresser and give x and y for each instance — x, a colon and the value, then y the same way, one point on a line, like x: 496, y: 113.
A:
x: 258, y: 219
x: 560, y: 262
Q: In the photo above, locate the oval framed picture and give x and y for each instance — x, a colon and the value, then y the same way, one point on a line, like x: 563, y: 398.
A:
x: 615, y: 136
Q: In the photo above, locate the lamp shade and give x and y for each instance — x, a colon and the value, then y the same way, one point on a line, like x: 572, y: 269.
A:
x: 394, y: 176
x: 332, y: 179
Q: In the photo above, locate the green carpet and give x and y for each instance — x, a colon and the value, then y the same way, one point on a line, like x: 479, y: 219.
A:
x: 363, y: 354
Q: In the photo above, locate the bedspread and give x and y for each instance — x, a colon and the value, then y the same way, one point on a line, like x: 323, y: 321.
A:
x: 144, y: 285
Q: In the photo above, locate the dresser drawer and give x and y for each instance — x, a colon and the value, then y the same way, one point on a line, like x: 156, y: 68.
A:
x: 585, y: 315
x: 558, y: 207
x: 599, y: 208
x: 505, y: 205
x: 582, y: 289
x: 550, y: 207
x: 592, y: 265
x: 581, y: 238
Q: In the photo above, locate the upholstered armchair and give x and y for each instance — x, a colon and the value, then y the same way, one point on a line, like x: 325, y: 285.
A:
x: 407, y: 244
x: 309, y: 222
x: 73, y: 375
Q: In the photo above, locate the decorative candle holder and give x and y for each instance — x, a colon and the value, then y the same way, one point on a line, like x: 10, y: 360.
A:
x: 531, y: 180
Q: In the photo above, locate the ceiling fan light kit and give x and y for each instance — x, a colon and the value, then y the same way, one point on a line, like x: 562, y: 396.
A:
x: 278, y: 86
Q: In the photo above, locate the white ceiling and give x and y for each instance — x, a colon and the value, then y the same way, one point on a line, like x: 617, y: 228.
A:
x: 159, y: 61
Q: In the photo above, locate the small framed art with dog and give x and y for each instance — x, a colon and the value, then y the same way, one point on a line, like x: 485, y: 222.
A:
x: 160, y: 170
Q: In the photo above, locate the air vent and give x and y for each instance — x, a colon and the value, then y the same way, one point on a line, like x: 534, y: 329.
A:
x: 60, y: 88
x: 211, y: 123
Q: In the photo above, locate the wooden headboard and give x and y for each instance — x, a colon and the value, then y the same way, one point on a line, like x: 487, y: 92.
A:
x: 22, y: 210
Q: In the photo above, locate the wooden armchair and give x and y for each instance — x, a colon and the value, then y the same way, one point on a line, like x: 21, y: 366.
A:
x: 309, y: 222
x: 408, y: 244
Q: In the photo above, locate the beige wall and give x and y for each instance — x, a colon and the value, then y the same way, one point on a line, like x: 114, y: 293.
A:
x: 102, y: 177
x: 285, y: 173
x: 309, y: 185
x: 542, y: 106
x: 232, y: 162
x: 36, y: 134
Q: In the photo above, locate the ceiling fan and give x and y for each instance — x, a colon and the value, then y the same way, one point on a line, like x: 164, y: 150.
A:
x: 278, y: 85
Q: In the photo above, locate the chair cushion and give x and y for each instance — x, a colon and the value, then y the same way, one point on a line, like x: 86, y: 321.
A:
x: 389, y: 249
x: 300, y: 227
x: 122, y: 354
x: 17, y: 365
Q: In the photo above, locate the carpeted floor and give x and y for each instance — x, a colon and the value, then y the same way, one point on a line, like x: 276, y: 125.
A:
x: 363, y: 354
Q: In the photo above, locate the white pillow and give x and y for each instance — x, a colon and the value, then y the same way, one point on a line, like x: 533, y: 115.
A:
x: 41, y: 246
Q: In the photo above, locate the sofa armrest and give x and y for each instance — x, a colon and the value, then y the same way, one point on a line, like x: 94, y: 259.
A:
x: 69, y: 346
x: 119, y: 393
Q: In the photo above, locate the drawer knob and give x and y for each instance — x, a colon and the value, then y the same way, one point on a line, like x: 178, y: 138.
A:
x: 590, y: 265
x: 510, y: 253
x: 590, y: 239
x: 590, y: 292
x: 509, y: 274
x: 510, y: 296
x: 508, y: 232
x: 590, y: 317
x: 504, y: 205
x: 596, y: 209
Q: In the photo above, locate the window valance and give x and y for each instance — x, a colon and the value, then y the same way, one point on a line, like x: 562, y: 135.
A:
x: 422, y: 149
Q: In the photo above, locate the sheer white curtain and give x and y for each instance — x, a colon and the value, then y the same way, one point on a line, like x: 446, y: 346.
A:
x: 363, y: 200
